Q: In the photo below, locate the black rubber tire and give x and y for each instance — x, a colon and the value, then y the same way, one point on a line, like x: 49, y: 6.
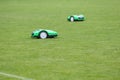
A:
x: 72, y: 19
x: 43, y: 35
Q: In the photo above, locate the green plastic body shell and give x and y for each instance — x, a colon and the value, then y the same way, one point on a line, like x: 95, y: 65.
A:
x: 76, y: 17
x: 50, y: 33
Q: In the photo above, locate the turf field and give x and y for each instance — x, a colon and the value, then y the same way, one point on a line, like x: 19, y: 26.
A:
x: 88, y: 50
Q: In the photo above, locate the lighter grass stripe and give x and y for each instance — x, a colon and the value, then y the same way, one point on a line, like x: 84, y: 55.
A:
x: 14, y: 76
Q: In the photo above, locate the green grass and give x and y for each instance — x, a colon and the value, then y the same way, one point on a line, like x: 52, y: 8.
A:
x: 88, y: 50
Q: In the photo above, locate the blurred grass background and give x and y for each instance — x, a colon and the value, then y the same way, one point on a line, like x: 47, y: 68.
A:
x: 87, y: 50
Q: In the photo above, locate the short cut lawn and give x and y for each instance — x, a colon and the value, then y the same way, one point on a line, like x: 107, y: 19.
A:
x: 88, y: 50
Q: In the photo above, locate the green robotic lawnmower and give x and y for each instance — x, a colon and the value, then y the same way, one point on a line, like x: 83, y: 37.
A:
x: 43, y: 34
x: 76, y: 18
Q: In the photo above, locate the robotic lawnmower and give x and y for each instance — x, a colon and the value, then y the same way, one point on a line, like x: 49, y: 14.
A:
x: 43, y: 34
x: 76, y: 18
